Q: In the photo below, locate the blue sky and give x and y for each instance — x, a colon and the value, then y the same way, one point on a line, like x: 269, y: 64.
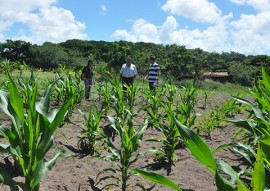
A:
x: 213, y: 25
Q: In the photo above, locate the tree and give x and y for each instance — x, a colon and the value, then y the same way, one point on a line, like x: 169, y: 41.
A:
x: 15, y: 50
x: 48, y: 56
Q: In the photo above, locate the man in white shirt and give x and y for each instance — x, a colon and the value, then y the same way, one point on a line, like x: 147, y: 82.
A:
x: 128, y: 73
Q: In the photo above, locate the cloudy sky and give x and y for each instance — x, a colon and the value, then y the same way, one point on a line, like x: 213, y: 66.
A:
x: 213, y: 25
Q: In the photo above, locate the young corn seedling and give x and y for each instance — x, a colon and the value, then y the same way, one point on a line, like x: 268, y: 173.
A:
x: 253, y: 143
x: 200, y: 150
x: 119, y: 105
x: 105, y: 91
x: 189, y: 95
x: 30, y: 136
x: 65, y: 87
x: 210, y: 121
x: 153, y: 108
x: 125, y: 154
x: 170, y: 91
x: 91, y: 130
x: 170, y: 133
x: 185, y: 107
x: 131, y: 97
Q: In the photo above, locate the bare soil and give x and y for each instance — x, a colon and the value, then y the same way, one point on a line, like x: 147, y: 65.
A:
x: 80, y: 173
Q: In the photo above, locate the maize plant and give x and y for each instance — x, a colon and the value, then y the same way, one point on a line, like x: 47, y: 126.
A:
x: 119, y: 105
x: 200, y: 150
x: 153, y: 108
x: 170, y: 133
x: 131, y: 97
x: 91, y: 130
x: 255, y: 143
x: 170, y: 91
x: 124, y: 155
x: 30, y: 136
x: 67, y: 87
x: 105, y: 91
x: 253, y: 137
x: 185, y: 107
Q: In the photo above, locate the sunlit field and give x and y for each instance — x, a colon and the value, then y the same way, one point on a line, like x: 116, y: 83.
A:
x: 187, y: 136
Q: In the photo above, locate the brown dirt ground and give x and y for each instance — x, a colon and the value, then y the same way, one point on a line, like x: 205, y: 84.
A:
x: 80, y: 173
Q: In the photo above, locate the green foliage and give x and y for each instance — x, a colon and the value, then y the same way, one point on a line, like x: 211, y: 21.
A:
x: 200, y: 150
x: 90, y: 130
x: 217, y: 116
x: 242, y: 74
x: 48, y: 56
x: 170, y: 135
x: 125, y: 155
x: 157, y: 178
x: 30, y: 137
x: 64, y: 88
x: 105, y: 91
x: 185, y: 107
x: 175, y: 61
x: 255, y: 134
x: 15, y: 51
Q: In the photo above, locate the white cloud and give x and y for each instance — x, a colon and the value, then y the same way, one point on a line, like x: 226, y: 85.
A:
x: 23, y: 6
x: 250, y: 43
x: 259, y: 23
x: 197, y: 10
x: 251, y: 33
x: 210, y: 39
x: 104, y: 10
x: 213, y: 38
x: 45, y: 21
x: 259, y: 5
x: 142, y: 31
x: 167, y: 28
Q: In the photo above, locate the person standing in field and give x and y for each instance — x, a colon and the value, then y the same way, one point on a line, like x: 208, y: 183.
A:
x: 87, y: 77
x: 128, y: 73
x: 153, y: 74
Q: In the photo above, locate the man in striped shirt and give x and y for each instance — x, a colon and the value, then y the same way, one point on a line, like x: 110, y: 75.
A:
x: 153, y: 74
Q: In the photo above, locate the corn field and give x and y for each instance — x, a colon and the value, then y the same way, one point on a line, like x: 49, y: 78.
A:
x: 178, y: 138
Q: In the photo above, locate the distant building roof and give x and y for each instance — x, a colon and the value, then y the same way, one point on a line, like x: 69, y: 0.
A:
x: 216, y: 74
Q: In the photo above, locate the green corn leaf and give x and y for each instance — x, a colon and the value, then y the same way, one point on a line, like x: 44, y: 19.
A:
x: 8, y: 135
x: 224, y: 167
x: 197, y: 146
x: 43, y: 106
x: 44, y: 147
x: 241, y: 186
x: 265, y: 149
x: 157, y: 178
x: 138, y: 137
x: 4, y: 97
x: 59, y: 116
x: 258, y: 177
x: 15, y: 99
x: 245, y: 150
x: 248, y: 125
x: 9, y: 181
x: 44, y: 167
x: 266, y: 79
x: 256, y: 110
x: 223, y: 184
